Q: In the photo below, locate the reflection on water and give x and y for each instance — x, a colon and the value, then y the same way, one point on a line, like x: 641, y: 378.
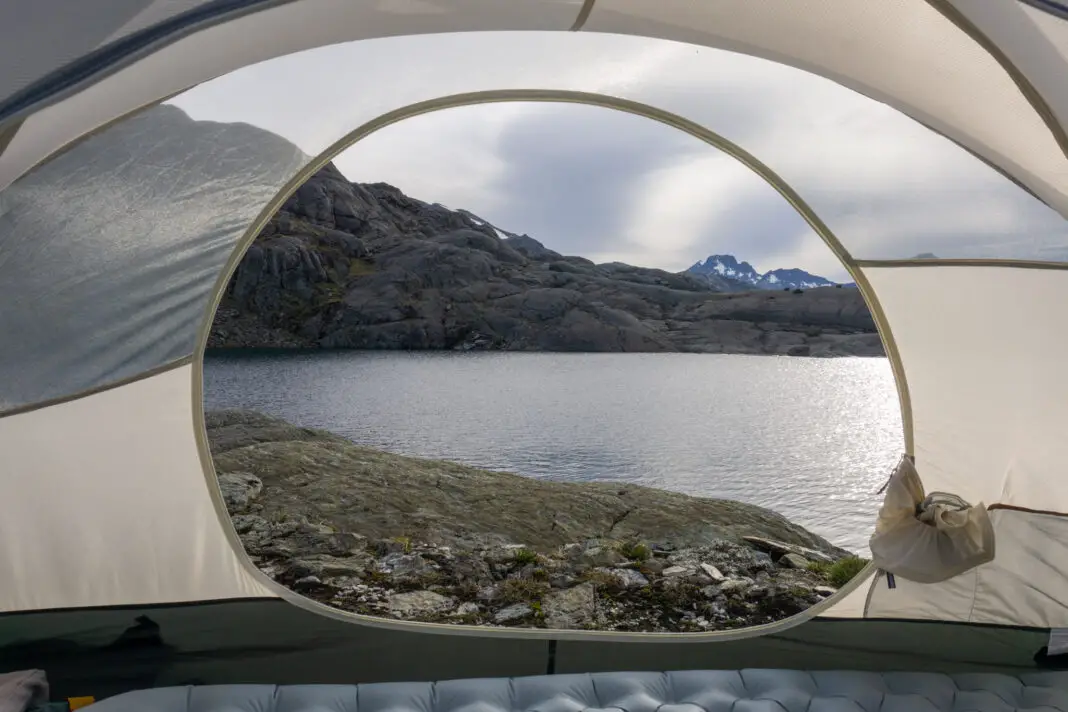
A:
x: 811, y: 438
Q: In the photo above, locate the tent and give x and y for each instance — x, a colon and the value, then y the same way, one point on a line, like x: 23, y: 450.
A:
x: 119, y: 566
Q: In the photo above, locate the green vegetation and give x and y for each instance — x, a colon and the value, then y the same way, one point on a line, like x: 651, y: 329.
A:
x: 843, y: 570
x: 637, y: 552
x: 840, y: 572
x: 522, y: 557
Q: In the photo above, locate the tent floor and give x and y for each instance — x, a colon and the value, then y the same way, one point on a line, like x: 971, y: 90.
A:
x: 108, y: 651
x: 689, y: 691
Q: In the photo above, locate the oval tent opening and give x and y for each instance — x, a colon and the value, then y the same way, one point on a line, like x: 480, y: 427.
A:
x: 554, y: 366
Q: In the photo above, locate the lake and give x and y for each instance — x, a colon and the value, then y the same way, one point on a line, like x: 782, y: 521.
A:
x: 813, y: 439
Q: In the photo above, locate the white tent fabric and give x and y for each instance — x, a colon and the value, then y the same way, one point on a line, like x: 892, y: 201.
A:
x: 1025, y: 585
x: 937, y: 76
x: 129, y: 515
x: 292, y: 27
x: 105, y: 503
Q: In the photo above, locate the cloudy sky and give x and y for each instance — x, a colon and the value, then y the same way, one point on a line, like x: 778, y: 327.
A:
x: 614, y: 186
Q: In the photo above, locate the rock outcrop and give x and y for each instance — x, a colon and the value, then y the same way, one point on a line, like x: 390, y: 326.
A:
x: 363, y: 266
x: 425, y: 540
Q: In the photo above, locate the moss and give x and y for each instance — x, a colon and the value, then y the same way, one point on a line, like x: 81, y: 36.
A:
x: 637, y: 551
x: 842, y: 571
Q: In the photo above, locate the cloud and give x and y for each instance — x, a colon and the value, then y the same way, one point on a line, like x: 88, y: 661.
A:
x: 614, y: 186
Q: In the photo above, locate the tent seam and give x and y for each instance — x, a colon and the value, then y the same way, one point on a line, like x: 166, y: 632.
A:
x: 7, y: 134
x: 142, y: 43
x: 112, y: 385
x: 502, y: 96
x: 1049, y: 7
x: 81, y: 138
x: 584, y: 14
x: 964, y: 262
x: 1023, y: 84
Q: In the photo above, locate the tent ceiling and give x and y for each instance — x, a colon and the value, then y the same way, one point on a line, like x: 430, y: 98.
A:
x: 923, y: 64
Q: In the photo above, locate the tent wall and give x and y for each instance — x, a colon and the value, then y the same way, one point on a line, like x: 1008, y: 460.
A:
x: 983, y: 353
x: 105, y: 503
x: 1026, y: 584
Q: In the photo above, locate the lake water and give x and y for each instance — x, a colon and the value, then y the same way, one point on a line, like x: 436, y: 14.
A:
x: 811, y: 438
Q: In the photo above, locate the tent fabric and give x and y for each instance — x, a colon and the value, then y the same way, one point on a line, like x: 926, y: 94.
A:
x: 105, y: 502
x: 104, y: 499
x: 293, y: 26
x: 41, y: 45
x: 1026, y: 583
x: 51, y: 57
x: 982, y: 431
x: 118, y: 243
x: 938, y: 77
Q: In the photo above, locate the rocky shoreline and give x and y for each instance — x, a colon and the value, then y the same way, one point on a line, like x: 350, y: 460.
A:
x: 623, y: 558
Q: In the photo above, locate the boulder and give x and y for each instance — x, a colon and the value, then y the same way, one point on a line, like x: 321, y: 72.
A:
x: 418, y: 603
x: 239, y: 489
x: 570, y: 608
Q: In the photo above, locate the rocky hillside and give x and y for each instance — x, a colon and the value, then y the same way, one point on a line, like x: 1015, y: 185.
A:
x: 417, y: 539
x: 346, y: 265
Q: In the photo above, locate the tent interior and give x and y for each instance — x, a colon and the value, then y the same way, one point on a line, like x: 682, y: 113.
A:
x: 121, y: 571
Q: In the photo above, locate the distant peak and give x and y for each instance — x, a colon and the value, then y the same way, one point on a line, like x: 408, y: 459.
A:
x: 746, y: 276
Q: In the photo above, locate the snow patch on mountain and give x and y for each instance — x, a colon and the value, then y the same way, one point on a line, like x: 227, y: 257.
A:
x: 730, y: 267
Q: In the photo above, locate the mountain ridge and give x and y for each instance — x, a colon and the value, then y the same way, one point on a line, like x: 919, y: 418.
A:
x: 346, y: 265
x: 729, y: 267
